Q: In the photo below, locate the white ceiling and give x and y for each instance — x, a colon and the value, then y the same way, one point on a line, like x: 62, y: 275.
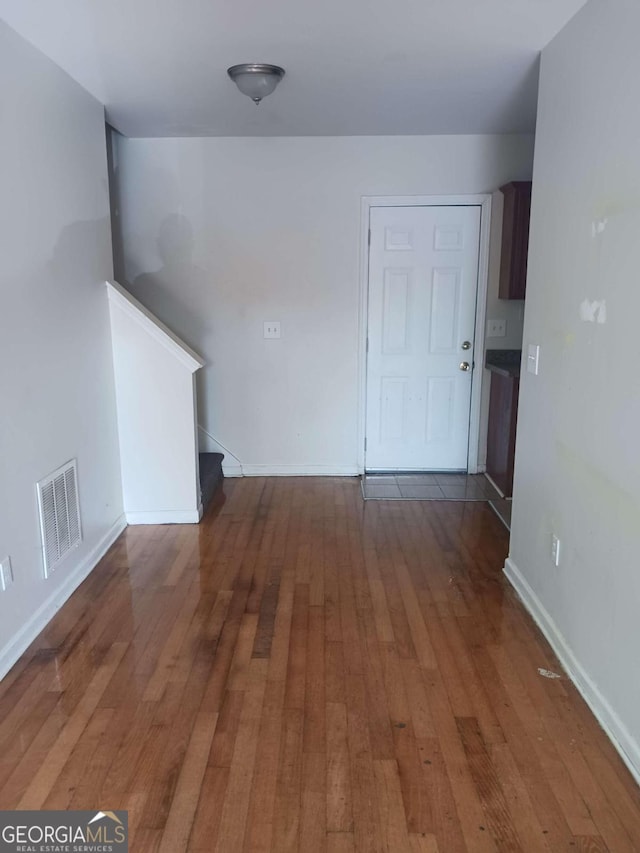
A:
x: 353, y: 66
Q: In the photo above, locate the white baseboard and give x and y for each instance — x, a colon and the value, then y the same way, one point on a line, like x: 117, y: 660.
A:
x: 300, y: 470
x: 10, y: 654
x: 613, y: 726
x: 231, y: 470
x: 497, y: 488
x: 233, y: 467
x: 168, y: 516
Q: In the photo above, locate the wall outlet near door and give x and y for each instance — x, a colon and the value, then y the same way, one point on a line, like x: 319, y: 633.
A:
x: 6, y: 574
x: 496, y: 328
x: 555, y: 549
x: 272, y: 329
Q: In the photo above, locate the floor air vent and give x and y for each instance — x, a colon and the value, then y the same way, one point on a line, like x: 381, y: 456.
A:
x: 59, y: 514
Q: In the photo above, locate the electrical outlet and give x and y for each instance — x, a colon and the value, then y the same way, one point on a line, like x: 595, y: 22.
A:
x: 496, y: 328
x: 6, y: 574
x: 555, y: 550
x: 272, y: 329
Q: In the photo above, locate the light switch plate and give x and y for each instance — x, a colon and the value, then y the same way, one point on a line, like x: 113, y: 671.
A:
x: 533, y: 359
x: 272, y: 329
x: 496, y: 328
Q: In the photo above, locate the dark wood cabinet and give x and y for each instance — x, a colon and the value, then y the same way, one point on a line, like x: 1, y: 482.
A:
x: 501, y: 439
x: 515, y: 239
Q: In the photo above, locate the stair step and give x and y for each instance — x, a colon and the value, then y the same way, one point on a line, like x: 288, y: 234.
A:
x: 211, y: 476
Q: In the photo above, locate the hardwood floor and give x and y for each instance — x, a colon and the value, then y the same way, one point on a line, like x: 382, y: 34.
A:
x: 304, y: 671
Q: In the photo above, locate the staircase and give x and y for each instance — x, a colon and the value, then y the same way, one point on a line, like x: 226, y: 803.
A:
x: 211, y: 476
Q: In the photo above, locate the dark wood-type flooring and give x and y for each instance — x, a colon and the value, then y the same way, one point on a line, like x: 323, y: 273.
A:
x: 307, y: 671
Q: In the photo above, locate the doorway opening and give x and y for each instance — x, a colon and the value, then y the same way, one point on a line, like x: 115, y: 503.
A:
x: 424, y: 285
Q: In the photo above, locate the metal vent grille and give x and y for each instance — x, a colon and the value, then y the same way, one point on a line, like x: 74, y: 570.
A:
x: 59, y: 514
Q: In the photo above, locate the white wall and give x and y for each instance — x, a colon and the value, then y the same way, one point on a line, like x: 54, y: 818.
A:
x: 156, y: 402
x: 220, y: 235
x: 56, y: 376
x: 578, y: 456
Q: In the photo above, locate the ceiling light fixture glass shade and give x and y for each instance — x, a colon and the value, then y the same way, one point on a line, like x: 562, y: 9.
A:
x: 256, y: 79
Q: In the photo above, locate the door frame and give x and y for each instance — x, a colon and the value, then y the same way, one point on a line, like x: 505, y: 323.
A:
x: 483, y: 201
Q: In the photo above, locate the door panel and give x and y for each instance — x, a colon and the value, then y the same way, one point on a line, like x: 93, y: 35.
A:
x: 393, y: 411
x: 439, y: 412
x: 423, y: 278
x: 396, y: 309
x: 445, y: 310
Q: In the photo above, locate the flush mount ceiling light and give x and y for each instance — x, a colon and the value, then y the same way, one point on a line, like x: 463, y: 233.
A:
x: 256, y: 79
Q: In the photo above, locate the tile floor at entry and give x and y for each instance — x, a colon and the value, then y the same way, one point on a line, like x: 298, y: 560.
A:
x: 428, y: 487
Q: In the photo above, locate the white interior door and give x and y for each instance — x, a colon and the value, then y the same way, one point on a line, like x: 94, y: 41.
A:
x: 423, y: 282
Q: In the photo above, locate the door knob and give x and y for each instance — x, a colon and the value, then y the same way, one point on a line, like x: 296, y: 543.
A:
x: 466, y: 345
x: 464, y: 365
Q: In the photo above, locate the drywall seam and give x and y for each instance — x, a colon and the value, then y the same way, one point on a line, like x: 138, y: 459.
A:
x: 43, y: 615
x: 613, y: 726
